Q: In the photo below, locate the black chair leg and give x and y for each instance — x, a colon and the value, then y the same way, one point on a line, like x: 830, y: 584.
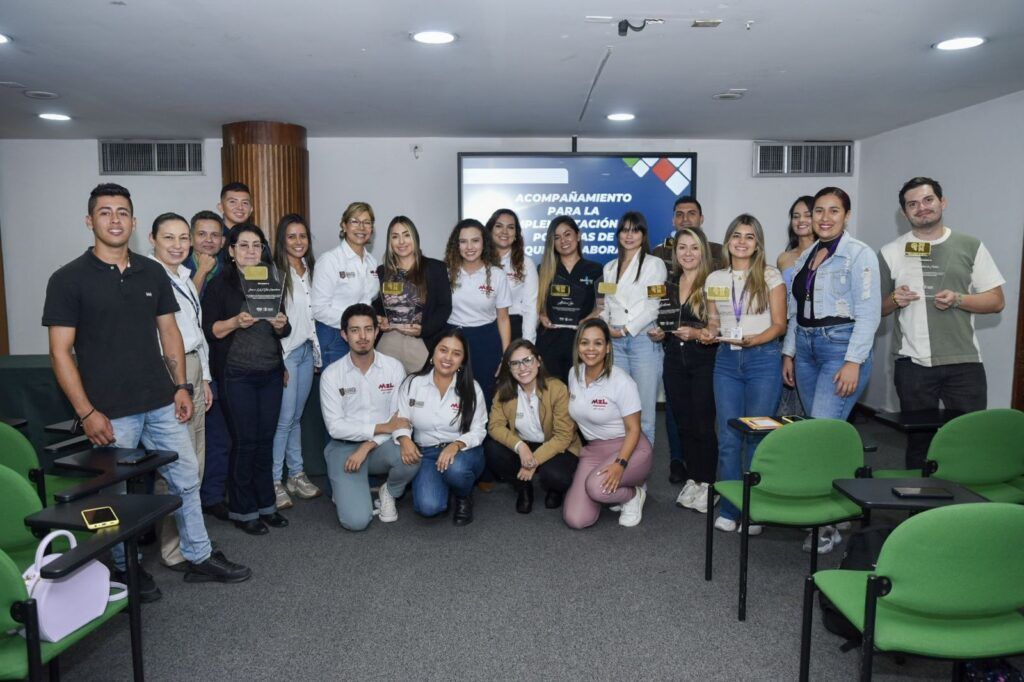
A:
x: 744, y: 547
x: 55, y: 669
x: 814, y: 549
x: 805, y: 632
x: 709, y: 535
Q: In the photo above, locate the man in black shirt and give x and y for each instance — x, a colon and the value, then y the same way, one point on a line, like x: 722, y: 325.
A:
x: 115, y: 309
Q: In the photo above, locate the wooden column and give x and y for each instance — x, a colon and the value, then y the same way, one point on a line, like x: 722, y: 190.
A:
x: 271, y: 158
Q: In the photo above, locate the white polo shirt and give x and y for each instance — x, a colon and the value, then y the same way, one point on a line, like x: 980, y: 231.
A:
x: 634, y: 305
x: 299, y: 309
x: 190, y: 315
x: 524, y: 294
x: 528, y: 424
x: 599, y: 409
x: 474, y: 303
x: 354, y: 403
x: 435, y: 418
x: 341, y: 279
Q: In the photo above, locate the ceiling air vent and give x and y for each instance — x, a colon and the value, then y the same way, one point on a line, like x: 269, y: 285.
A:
x: 772, y: 159
x: 151, y: 157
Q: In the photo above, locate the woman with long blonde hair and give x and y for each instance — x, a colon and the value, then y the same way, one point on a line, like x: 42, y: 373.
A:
x: 689, y: 340
x: 748, y: 305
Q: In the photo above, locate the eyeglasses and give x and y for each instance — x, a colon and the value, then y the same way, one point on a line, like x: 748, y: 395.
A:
x: 526, y: 363
x: 360, y: 223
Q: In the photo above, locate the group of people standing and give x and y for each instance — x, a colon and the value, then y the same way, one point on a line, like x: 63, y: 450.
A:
x: 437, y: 374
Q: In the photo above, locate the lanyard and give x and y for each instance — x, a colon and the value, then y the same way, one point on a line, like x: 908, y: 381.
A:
x: 737, y: 306
x: 830, y: 247
x: 192, y: 301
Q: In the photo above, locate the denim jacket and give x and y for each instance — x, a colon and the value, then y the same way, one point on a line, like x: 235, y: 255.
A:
x: 847, y: 285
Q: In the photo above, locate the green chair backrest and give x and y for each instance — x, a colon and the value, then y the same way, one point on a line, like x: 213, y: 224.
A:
x: 963, y: 560
x: 980, y: 447
x: 19, y: 500
x: 12, y: 589
x: 16, y: 452
x: 803, y: 458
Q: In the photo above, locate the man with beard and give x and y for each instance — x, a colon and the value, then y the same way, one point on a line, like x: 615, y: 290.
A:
x: 205, y: 259
x: 687, y: 213
x: 936, y: 280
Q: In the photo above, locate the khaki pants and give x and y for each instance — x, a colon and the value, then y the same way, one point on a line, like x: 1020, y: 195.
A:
x: 409, y: 350
x: 167, y: 529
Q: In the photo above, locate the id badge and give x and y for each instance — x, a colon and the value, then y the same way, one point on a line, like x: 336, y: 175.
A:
x: 735, y: 333
x: 807, y: 309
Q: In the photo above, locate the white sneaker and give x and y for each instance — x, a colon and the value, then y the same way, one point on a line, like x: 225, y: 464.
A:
x: 388, y: 509
x: 699, y: 502
x: 633, y: 510
x: 728, y: 525
x: 283, y: 500
x: 685, y: 498
x: 303, y: 487
x: 754, y: 529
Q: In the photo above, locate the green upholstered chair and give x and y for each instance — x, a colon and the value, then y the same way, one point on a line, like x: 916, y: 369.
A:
x: 983, y: 451
x: 16, y: 452
x: 790, y: 484
x: 947, y: 584
x: 24, y: 657
x: 19, y: 500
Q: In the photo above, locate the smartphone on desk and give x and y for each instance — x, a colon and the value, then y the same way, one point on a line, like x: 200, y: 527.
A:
x: 134, y: 456
x: 99, y: 517
x: 912, y: 492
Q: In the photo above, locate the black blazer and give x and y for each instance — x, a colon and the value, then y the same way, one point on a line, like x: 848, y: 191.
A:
x: 438, y: 307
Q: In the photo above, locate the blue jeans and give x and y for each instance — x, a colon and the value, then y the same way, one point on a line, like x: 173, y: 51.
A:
x: 159, y: 429
x: 352, y: 490
x: 332, y: 346
x: 218, y: 452
x: 747, y: 384
x: 820, y: 353
x: 642, y: 360
x: 288, y: 438
x: 430, y: 487
x: 252, y: 402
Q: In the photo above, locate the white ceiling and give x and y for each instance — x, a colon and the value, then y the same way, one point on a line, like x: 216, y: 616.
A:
x: 813, y: 70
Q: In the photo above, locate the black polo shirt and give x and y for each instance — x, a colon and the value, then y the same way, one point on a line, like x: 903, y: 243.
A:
x: 116, y: 341
x: 572, y: 295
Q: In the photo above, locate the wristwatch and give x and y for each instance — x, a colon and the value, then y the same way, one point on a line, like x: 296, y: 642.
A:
x: 189, y: 388
x: 622, y: 462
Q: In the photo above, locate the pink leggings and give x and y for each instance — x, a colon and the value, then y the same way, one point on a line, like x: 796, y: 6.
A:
x: 585, y: 497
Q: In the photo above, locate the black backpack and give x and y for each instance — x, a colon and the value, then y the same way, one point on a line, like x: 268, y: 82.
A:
x: 861, y: 554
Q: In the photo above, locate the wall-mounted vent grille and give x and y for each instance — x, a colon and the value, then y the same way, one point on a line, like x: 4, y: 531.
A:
x: 772, y: 159
x: 151, y: 157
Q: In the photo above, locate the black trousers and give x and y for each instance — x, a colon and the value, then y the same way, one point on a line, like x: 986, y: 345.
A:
x: 689, y: 386
x: 962, y: 387
x: 555, y: 348
x: 554, y: 474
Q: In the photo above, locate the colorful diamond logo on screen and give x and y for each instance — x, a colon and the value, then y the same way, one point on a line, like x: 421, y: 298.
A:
x: 674, y: 172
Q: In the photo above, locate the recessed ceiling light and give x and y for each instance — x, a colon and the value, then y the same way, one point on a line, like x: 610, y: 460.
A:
x: 597, y: 19
x: 40, y: 94
x: 621, y: 117
x: 959, y: 43
x: 728, y: 95
x: 706, y: 23
x: 434, y: 37
x: 4, y: 39
x: 55, y: 117
x: 14, y: 85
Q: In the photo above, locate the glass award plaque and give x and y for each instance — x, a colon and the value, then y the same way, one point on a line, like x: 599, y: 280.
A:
x: 263, y: 290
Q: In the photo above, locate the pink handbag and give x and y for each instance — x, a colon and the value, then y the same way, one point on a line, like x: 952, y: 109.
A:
x: 66, y: 604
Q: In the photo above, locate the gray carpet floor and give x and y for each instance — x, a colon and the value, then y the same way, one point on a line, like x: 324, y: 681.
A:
x: 508, y: 597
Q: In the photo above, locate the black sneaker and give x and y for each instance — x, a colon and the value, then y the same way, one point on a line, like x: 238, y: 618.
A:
x: 217, y: 568
x: 217, y: 511
x: 148, y: 591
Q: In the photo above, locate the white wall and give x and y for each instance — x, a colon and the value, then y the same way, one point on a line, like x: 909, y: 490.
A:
x: 44, y: 186
x: 975, y: 153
